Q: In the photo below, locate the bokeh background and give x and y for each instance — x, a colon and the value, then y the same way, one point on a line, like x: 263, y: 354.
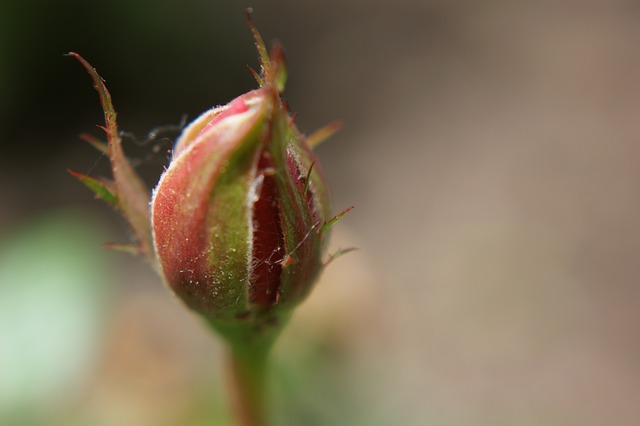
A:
x: 491, y: 150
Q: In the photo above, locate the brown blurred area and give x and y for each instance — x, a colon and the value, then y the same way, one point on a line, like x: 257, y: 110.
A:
x: 490, y: 148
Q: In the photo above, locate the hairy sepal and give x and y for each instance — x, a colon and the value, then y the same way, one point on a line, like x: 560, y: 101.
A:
x: 131, y: 192
x: 200, y: 216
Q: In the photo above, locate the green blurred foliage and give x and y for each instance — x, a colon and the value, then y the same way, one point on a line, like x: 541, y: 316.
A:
x: 53, y: 299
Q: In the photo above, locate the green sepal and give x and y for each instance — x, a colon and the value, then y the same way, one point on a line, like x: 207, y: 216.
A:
x: 328, y: 224
x: 337, y: 254
x: 256, y: 76
x: 201, y: 217
x: 95, y: 142
x: 228, y: 217
x: 123, y: 247
x: 303, y: 153
x: 103, y: 189
x: 273, y: 66
x: 301, y: 243
x: 324, y: 133
x: 278, y: 67
x: 265, y: 62
x: 133, y: 196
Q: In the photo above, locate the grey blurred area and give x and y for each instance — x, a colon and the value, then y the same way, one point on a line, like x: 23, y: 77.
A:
x: 491, y: 150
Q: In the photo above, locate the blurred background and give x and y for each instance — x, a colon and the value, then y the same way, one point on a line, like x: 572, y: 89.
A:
x: 491, y: 151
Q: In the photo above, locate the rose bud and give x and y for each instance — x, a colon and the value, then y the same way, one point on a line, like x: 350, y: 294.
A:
x: 240, y: 217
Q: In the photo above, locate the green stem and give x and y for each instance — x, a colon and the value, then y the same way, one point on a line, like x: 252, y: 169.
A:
x: 249, y: 346
x: 248, y: 369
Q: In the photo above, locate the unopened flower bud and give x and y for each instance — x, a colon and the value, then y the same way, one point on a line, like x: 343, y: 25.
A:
x: 239, y: 220
x: 238, y: 217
